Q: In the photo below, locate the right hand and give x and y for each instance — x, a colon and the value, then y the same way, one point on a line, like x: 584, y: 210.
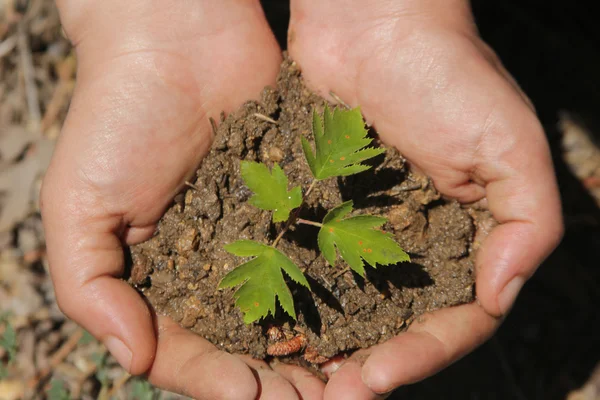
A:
x: 430, y: 86
x: 150, y: 74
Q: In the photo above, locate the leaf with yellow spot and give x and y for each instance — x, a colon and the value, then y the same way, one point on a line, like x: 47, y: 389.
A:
x: 270, y: 189
x: 340, y: 144
x: 261, y: 280
x: 357, y: 239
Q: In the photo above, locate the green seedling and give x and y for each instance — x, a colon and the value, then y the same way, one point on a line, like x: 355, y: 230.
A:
x: 100, y: 359
x: 262, y: 280
x: 8, y: 341
x: 143, y: 390
x: 340, y: 148
x: 357, y: 239
x: 58, y: 391
x: 270, y: 190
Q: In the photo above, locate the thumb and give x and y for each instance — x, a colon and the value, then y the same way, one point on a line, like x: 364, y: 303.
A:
x: 86, y: 258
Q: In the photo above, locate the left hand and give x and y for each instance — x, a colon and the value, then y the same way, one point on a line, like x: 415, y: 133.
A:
x: 433, y: 89
x: 150, y: 73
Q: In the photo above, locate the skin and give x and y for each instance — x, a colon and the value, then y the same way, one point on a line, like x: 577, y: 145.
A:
x: 434, y: 90
x: 138, y: 126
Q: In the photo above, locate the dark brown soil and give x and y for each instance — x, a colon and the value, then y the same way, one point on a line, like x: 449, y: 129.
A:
x: 179, y: 269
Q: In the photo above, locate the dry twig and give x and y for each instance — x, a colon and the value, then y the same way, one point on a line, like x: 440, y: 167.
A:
x: 117, y: 385
x: 58, y: 357
x: 7, y: 45
x: 265, y: 118
x: 339, y: 100
x: 61, y: 94
x: 31, y: 92
x: 190, y: 184
x: 213, y: 125
x: 340, y: 273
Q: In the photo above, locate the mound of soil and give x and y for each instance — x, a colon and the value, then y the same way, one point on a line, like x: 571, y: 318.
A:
x: 179, y: 269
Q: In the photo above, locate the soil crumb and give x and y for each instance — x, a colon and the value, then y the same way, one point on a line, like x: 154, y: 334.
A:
x: 179, y: 269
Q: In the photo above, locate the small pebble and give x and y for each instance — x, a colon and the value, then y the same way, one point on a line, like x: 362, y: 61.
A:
x: 276, y: 154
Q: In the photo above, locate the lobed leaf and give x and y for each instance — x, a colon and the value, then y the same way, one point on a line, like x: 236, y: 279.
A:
x: 143, y: 390
x: 58, y: 391
x: 262, y: 280
x: 8, y: 341
x: 340, y: 141
x: 357, y: 239
x: 270, y: 189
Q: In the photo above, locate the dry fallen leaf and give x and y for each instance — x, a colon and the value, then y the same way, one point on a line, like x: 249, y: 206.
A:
x: 17, y: 183
x: 581, y: 154
x: 13, y: 141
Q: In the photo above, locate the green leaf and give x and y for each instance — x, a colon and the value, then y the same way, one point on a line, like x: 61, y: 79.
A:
x: 143, y: 390
x: 8, y: 341
x: 340, y: 141
x: 57, y: 391
x: 100, y: 360
x: 270, y: 189
x: 3, y: 372
x: 86, y: 338
x: 262, y: 280
x: 357, y: 239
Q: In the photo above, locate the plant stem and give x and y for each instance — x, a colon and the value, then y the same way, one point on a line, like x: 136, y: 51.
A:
x: 294, y: 216
x: 307, y: 222
x: 310, y: 188
x: 278, y: 238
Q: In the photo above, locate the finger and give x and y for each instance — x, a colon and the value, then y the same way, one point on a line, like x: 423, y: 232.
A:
x: 96, y: 185
x: 187, y: 364
x: 307, y: 384
x: 85, y: 256
x: 523, y: 196
x: 272, y: 386
x: 441, y: 339
x: 346, y: 383
x: 332, y: 365
x: 134, y: 235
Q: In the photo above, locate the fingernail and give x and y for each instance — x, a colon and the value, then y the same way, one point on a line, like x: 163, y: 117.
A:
x: 331, y: 366
x: 375, y: 382
x: 119, y: 351
x: 509, y: 294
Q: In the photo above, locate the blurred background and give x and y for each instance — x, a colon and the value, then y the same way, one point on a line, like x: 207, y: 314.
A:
x: 549, y: 346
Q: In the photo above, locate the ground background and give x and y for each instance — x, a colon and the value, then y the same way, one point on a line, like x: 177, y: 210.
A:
x: 547, y: 348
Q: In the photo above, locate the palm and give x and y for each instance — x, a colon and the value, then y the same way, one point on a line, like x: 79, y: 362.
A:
x: 137, y: 126
x: 147, y: 113
x: 431, y: 93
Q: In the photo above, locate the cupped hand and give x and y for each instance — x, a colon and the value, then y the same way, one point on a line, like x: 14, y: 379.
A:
x: 150, y: 75
x: 434, y: 90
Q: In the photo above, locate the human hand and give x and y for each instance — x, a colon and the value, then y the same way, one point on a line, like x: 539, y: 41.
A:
x: 150, y: 74
x: 433, y: 89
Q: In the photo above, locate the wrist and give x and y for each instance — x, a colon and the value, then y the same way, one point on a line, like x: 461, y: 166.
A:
x: 136, y: 25
x: 99, y: 20
x: 454, y: 14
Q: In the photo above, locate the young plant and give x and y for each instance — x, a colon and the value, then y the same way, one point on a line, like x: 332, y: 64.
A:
x: 143, y: 390
x: 8, y: 341
x: 340, y: 148
x: 57, y: 391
